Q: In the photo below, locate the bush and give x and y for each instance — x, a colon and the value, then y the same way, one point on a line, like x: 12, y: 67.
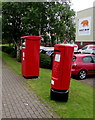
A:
x: 13, y: 53
x: 9, y: 50
x: 4, y: 48
x: 45, y: 61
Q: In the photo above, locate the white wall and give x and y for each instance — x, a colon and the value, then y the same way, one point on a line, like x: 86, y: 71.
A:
x: 80, y: 15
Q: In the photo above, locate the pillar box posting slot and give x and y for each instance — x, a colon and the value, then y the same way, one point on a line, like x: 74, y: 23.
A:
x: 30, y: 56
x: 61, y: 72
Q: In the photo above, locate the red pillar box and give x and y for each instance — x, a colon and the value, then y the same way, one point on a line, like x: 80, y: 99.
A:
x: 30, y: 56
x: 61, y: 71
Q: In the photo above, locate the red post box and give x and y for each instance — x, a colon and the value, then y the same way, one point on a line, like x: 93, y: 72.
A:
x: 61, y: 71
x: 30, y: 56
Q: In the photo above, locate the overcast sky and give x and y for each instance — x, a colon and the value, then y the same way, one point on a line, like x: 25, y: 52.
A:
x: 78, y: 5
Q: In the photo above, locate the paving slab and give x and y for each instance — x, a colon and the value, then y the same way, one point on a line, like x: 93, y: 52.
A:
x: 17, y: 101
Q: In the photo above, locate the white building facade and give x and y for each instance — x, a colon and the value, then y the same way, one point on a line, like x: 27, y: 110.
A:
x: 85, y: 27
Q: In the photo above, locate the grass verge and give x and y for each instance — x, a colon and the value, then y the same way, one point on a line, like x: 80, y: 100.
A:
x: 80, y: 103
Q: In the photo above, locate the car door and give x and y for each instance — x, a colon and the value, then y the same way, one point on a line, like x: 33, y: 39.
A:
x: 88, y: 63
x: 93, y: 57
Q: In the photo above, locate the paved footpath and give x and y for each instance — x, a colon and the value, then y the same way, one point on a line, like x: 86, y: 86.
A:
x: 17, y: 101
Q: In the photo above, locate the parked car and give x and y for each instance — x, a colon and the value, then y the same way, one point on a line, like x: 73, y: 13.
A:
x: 42, y: 50
x: 47, y: 50
x: 87, y: 49
x: 75, y: 47
x: 83, y: 65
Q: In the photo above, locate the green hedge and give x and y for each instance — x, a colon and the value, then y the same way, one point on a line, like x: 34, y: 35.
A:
x: 10, y: 50
x: 45, y: 61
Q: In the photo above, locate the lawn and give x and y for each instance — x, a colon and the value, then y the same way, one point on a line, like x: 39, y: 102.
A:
x: 80, y: 103
x: 5, y: 44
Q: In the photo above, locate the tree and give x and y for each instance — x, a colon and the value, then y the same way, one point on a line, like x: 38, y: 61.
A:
x: 22, y: 19
x: 37, y: 18
x: 61, y: 21
x: 11, y: 22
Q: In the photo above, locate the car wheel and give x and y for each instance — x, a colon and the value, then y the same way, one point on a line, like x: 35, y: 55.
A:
x: 82, y: 74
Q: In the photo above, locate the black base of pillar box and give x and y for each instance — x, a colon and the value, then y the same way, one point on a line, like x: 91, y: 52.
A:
x: 59, y: 95
x: 31, y: 77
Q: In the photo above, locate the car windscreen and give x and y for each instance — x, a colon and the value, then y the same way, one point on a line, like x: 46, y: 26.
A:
x: 84, y: 48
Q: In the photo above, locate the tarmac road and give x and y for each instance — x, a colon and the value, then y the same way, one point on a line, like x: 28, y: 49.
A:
x: 90, y: 80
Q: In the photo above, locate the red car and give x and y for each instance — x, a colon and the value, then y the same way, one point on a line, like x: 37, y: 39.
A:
x: 83, y: 65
